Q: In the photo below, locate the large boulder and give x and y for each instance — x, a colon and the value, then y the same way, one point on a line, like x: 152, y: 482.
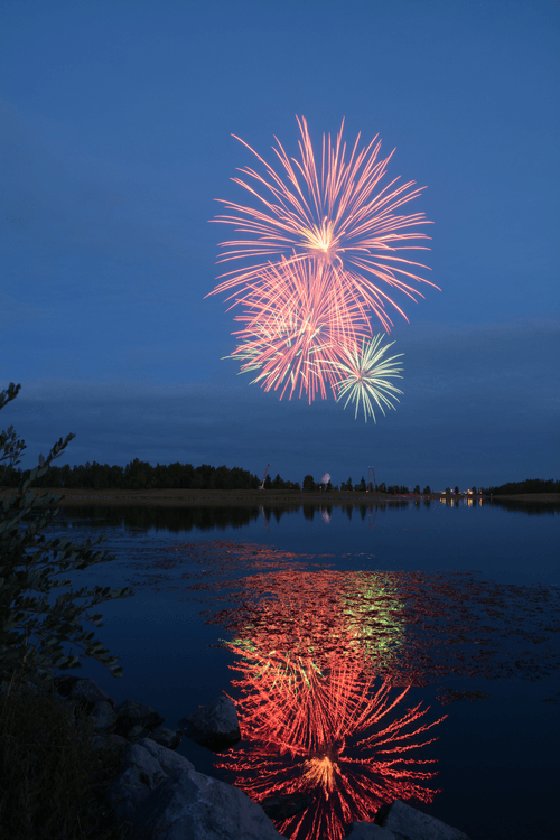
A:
x: 406, y: 823
x: 161, y: 793
x: 214, y: 726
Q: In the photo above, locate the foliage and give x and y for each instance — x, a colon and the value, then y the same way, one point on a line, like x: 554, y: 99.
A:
x: 140, y: 475
x: 52, y: 783
x: 530, y: 485
x: 28, y: 562
x: 309, y: 483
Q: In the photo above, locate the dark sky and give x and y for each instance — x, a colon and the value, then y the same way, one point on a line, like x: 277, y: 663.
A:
x: 115, y: 135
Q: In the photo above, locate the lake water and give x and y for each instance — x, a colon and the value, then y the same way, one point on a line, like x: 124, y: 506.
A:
x: 353, y: 639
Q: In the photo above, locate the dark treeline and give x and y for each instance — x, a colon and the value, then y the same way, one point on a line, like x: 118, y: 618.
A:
x: 139, y: 475
x: 530, y: 485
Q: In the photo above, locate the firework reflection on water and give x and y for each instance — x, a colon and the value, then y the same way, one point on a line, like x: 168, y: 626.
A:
x: 320, y: 728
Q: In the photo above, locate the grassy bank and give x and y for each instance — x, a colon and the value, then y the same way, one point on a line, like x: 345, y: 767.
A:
x: 180, y: 498
x: 53, y: 784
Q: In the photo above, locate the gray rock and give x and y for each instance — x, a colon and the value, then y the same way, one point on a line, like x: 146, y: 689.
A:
x: 103, y: 716
x: 131, y: 714
x: 162, y: 793
x: 407, y: 823
x: 214, y: 726
x: 169, y: 738
x: 109, y: 741
x: 146, y: 765
x: 81, y: 690
x: 369, y: 831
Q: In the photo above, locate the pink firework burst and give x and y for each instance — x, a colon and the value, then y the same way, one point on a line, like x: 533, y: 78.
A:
x: 337, y: 212
x: 297, y: 322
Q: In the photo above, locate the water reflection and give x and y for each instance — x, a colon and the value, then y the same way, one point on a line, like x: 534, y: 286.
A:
x: 223, y: 517
x: 173, y: 519
x: 532, y: 508
x: 330, y: 665
x: 326, y: 739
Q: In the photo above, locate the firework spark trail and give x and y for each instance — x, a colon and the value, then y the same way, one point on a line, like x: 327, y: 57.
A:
x: 296, y: 326
x: 340, y: 215
x: 364, y: 375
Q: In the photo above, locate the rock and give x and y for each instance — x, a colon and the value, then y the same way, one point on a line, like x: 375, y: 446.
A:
x: 283, y: 806
x: 170, y: 738
x: 406, y: 823
x: 125, y: 724
x: 103, y: 716
x: 130, y: 713
x: 369, y: 831
x: 161, y: 792
x: 214, y: 726
x: 145, y: 766
x: 83, y: 690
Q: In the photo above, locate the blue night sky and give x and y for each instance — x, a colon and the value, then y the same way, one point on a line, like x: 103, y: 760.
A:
x: 115, y: 135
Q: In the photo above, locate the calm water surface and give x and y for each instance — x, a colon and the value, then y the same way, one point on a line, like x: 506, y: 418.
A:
x: 352, y: 632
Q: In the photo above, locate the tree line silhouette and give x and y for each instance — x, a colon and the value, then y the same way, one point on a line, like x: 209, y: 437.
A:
x: 530, y: 485
x: 140, y: 475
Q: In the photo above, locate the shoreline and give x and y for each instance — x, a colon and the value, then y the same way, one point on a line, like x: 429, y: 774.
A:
x: 75, y: 496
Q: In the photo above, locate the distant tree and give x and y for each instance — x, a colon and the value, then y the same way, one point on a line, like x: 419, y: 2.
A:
x: 382, y: 487
x: 474, y: 491
x: 426, y: 491
x: 329, y: 487
x: 308, y: 483
x: 363, y: 485
x: 457, y: 491
x: 447, y: 491
x: 348, y: 486
x: 417, y: 490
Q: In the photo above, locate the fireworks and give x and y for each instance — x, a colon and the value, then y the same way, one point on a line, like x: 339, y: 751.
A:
x: 365, y: 376
x: 318, y: 256
x: 337, y: 213
x: 295, y: 329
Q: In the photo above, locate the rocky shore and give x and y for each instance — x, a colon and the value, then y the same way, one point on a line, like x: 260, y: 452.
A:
x: 161, y: 792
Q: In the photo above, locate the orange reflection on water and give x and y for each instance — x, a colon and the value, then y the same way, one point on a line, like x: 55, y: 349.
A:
x: 320, y: 726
